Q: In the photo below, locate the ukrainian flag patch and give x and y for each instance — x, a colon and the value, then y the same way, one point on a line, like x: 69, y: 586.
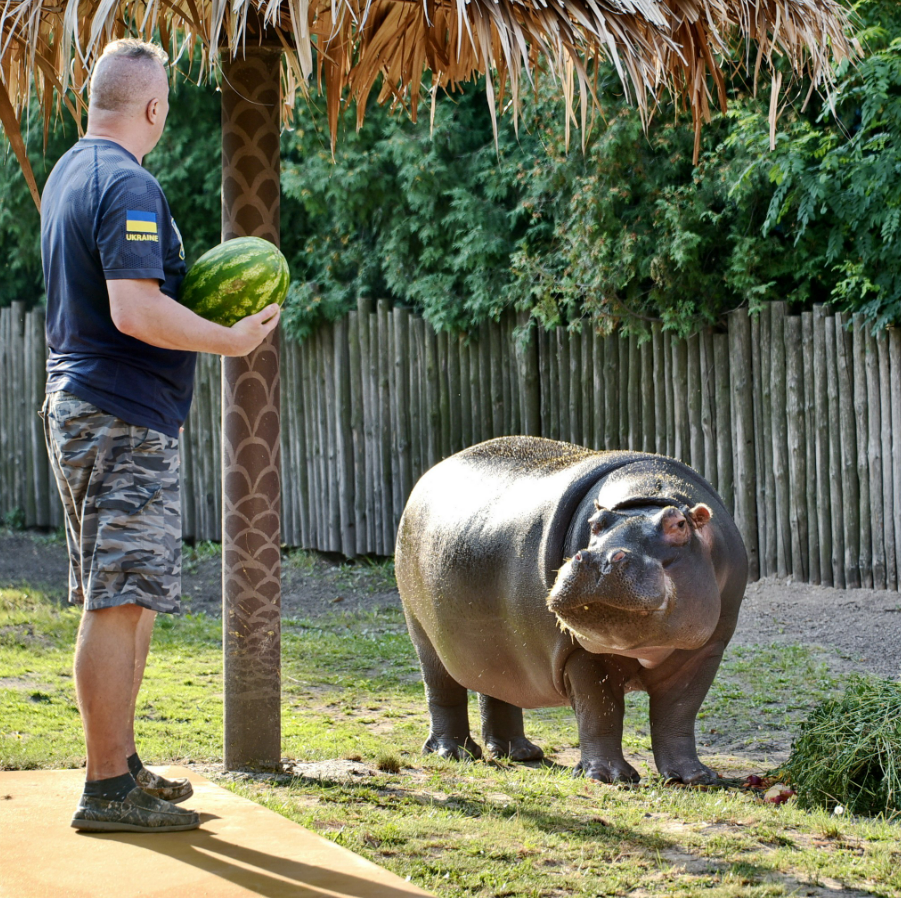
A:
x: 141, y: 225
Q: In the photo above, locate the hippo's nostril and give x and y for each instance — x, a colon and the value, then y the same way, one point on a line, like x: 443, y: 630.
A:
x: 619, y: 555
x: 577, y: 558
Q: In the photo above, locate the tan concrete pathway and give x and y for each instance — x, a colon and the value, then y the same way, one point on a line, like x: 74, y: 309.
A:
x: 241, y: 849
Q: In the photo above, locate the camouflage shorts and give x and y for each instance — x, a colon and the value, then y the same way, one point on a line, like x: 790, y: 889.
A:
x: 119, y: 486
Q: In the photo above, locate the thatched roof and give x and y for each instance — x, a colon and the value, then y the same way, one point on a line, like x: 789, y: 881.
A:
x: 347, y: 44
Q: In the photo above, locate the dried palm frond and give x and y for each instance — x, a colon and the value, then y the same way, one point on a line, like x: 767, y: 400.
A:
x: 655, y: 45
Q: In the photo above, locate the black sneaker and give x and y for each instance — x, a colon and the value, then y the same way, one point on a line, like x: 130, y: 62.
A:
x: 173, y: 791
x: 138, y: 812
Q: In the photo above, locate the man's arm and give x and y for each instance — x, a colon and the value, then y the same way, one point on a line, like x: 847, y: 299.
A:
x: 140, y: 309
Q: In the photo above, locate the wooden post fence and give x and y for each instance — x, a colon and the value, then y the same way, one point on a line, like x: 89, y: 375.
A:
x: 795, y: 419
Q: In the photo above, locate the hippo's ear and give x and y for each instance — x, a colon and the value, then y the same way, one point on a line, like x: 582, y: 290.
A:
x: 700, y: 515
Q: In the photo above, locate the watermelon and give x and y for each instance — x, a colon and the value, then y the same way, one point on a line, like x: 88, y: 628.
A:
x: 235, y: 279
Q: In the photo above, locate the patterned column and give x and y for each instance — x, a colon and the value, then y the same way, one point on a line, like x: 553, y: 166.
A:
x: 251, y: 509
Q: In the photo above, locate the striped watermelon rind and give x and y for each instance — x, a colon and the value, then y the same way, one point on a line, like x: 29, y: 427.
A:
x: 235, y: 279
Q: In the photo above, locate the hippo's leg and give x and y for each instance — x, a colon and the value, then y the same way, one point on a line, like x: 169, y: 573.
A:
x: 675, y: 702
x: 596, y: 690
x: 447, y: 701
x: 503, y: 732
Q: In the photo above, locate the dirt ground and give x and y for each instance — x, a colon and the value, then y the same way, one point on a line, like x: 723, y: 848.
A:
x: 856, y: 629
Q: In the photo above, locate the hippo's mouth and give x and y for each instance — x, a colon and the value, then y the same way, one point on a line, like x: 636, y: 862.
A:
x: 604, y: 616
x: 592, y: 626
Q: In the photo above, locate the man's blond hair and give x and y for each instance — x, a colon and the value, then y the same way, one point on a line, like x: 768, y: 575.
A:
x: 127, y: 75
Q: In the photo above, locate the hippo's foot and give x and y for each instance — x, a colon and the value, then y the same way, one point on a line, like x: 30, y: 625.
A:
x: 519, y: 749
x: 448, y: 747
x: 603, y: 770
x: 689, y: 772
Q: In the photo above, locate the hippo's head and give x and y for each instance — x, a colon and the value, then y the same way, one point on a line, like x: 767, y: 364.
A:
x: 644, y: 586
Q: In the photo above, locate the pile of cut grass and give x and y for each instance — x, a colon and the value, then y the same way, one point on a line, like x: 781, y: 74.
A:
x: 848, y: 752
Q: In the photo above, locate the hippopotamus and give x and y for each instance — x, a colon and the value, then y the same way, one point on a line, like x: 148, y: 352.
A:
x: 538, y: 573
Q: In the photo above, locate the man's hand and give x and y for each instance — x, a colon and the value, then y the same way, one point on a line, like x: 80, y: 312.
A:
x: 142, y: 311
x: 255, y: 328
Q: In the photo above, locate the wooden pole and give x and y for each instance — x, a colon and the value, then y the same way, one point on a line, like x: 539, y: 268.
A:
x: 466, y: 409
x: 358, y: 443
x: 402, y: 402
x: 509, y: 379
x: 530, y: 378
x: 669, y: 389
x: 543, y: 339
x: 383, y: 431
x: 889, y: 519
x: 455, y: 396
x: 709, y: 410
x: 634, y: 404
x: 858, y: 348
x: 329, y: 411
x: 797, y: 448
x: 586, y: 375
x: 573, y: 377
x: 780, y: 448
x: 693, y: 398
x: 611, y: 392
x: 562, y: 405
x: 344, y: 461
x: 597, y: 441
x: 625, y: 415
x: 743, y: 440
x: 770, y: 542
x: 835, y: 461
x: 287, y: 413
x: 491, y: 335
x: 756, y: 381
x: 821, y: 413
x: 813, y: 555
x: 723, y: 400
x: 874, y: 458
x: 251, y: 555
x: 18, y: 379
x: 894, y: 340
x: 660, y: 378
x: 682, y: 449
x: 848, y: 448
x: 485, y: 386
x: 302, y: 486
x: 432, y: 396
x: 417, y: 430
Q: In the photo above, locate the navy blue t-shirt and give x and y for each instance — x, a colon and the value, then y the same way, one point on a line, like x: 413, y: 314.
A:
x: 103, y: 217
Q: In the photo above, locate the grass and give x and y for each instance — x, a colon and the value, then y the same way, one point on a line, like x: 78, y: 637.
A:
x: 365, y: 574
x: 352, y: 690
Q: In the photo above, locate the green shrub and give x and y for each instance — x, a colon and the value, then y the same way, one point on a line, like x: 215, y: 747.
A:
x: 849, y: 750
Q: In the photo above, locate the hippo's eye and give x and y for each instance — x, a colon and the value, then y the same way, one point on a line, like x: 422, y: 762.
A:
x: 596, y: 528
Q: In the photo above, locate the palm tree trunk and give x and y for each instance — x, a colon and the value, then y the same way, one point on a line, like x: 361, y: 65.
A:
x: 251, y: 474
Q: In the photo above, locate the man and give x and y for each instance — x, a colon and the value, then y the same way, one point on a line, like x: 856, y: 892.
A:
x: 120, y: 376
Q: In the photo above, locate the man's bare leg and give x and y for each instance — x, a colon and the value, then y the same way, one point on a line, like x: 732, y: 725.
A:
x: 105, y: 657
x: 159, y: 786
x: 104, y: 682
x: 143, y: 634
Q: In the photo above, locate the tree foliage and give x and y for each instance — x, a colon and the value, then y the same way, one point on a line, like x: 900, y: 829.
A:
x: 442, y: 217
